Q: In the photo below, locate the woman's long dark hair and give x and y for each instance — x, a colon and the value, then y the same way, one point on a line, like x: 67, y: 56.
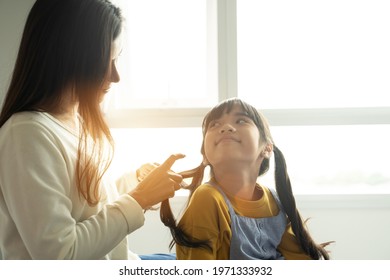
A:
x: 282, y: 182
x: 67, y: 43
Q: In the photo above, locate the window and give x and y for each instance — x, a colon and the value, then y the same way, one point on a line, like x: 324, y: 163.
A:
x: 339, y: 159
x: 165, y: 55
x: 319, y: 71
x: 310, y: 54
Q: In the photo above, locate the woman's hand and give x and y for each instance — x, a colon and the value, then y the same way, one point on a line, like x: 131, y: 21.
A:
x: 145, y: 169
x: 160, y: 184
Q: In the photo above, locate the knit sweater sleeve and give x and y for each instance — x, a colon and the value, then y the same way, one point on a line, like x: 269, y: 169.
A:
x: 37, y: 184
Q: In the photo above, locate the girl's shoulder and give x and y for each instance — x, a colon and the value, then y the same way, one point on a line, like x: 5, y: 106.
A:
x: 207, y: 193
x: 268, y: 194
x: 207, y: 188
x: 207, y: 204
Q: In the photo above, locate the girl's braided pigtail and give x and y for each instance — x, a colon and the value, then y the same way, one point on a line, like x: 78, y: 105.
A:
x: 284, y: 190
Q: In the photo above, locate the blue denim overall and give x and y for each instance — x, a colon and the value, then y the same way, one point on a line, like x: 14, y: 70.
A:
x: 255, y: 238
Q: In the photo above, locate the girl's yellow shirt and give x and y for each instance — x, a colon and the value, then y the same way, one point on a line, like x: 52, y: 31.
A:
x: 207, y: 218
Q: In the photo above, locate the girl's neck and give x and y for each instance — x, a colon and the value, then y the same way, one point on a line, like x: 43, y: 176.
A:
x: 240, y: 184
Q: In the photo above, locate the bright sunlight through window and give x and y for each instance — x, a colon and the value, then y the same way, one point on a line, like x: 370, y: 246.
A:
x: 314, y: 54
x: 319, y: 70
x: 165, y: 55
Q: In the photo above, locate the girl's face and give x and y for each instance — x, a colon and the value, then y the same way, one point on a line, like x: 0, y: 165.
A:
x: 233, y: 138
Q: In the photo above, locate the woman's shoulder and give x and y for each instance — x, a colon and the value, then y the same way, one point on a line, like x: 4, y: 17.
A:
x: 38, y: 123
x: 26, y: 119
x: 30, y: 125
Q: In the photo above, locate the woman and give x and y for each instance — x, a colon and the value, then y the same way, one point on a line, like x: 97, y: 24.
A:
x: 55, y: 145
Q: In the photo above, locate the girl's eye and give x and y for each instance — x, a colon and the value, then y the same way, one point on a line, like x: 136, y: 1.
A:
x: 213, y: 124
x: 242, y: 121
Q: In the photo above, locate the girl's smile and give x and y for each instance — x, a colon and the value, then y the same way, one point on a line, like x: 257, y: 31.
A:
x: 227, y: 139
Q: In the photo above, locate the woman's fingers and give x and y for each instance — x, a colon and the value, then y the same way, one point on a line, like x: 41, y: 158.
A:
x: 175, y: 177
x: 160, y: 184
x: 176, y: 185
x: 170, y: 161
x: 145, y: 169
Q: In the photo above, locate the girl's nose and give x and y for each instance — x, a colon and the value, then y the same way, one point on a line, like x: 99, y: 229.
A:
x: 227, y: 128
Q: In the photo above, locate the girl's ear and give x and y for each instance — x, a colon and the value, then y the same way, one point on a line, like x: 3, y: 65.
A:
x: 266, y: 153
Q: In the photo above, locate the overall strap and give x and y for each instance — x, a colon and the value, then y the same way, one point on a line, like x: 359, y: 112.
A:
x: 228, y: 203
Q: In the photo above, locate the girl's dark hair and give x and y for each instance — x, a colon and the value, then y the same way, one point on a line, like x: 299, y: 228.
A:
x: 67, y: 44
x: 282, y: 182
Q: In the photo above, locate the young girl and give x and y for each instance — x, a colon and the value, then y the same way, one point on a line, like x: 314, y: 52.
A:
x: 232, y: 216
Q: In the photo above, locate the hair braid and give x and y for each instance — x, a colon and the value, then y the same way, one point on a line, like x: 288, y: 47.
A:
x: 168, y: 219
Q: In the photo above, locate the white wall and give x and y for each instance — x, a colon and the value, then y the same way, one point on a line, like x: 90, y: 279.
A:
x: 360, y: 224
x: 13, y: 15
